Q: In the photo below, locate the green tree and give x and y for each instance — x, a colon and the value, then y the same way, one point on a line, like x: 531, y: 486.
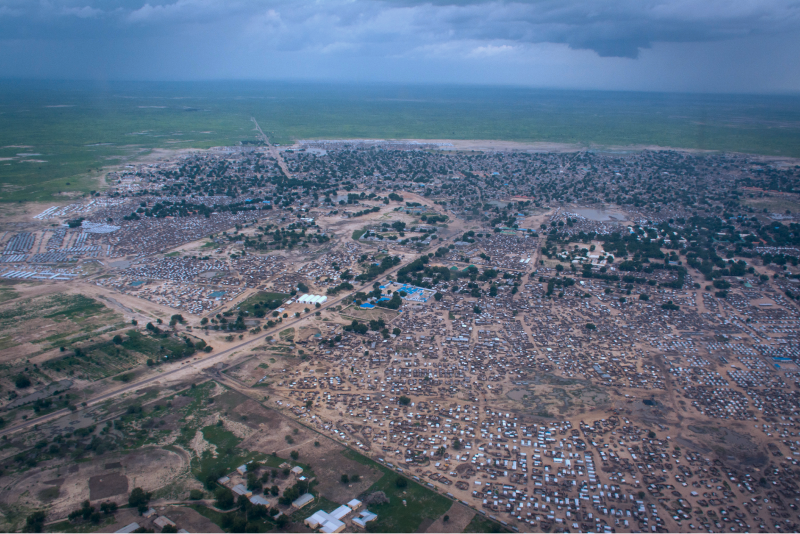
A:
x: 35, y: 521
x: 224, y: 498
x: 22, y: 381
x: 139, y: 499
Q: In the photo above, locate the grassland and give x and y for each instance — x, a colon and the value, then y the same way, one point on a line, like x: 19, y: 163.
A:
x: 106, y: 358
x: 775, y: 203
x: 420, y: 503
x: 72, y: 131
x: 37, y: 324
x: 481, y: 524
x: 261, y: 298
x: 7, y: 293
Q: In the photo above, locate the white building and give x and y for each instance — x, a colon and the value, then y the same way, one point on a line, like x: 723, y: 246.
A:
x: 308, y: 298
x: 328, y: 522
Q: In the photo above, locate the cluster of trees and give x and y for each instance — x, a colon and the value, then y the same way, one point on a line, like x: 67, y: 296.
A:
x: 287, y: 238
x: 374, y: 325
x: 374, y: 271
x: 367, y: 211
x: 260, y: 309
x: 433, y: 219
x: 77, y: 444
x: 393, y: 303
x: 344, y: 286
x: 87, y: 512
x: 139, y: 499
x: 358, y: 328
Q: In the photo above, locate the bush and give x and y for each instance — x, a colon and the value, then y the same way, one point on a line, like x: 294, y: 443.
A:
x: 224, y: 498
x: 22, y: 381
x: 139, y: 499
x: 35, y: 522
x: 376, y: 498
x: 400, y: 482
x: 108, y: 507
x: 345, y: 479
x: 196, y: 494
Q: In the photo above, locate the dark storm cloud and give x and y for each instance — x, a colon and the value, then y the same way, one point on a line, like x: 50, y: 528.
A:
x: 397, y: 32
x: 610, y: 28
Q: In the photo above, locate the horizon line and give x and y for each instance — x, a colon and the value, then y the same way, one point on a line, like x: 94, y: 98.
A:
x: 390, y: 83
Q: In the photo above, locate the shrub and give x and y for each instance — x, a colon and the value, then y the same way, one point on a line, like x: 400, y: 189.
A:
x: 35, y: 522
x: 22, y: 381
x: 139, y: 499
x: 224, y: 498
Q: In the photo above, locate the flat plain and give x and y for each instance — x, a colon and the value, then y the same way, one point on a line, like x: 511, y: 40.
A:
x: 57, y: 139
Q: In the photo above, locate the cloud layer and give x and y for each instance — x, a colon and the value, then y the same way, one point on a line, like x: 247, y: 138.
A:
x: 600, y: 44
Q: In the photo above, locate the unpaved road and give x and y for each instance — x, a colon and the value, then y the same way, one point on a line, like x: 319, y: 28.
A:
x: 187, y: 368
x: 272, y: 149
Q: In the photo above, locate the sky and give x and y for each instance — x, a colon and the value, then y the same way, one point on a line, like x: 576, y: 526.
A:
x: 737, y: 46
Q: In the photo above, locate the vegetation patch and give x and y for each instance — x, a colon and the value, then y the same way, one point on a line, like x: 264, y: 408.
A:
x: 421, y: 503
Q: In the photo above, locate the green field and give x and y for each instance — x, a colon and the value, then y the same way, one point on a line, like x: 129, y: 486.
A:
x: 420, y: 502
x: 60, y: 320
x: 482, y: 524
x: 71, y: 131
x: 260, y: 298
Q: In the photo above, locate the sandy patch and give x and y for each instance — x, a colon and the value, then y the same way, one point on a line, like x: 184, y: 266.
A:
x: 238, y: 429
x: 200, y: 445
x: 458, y: 518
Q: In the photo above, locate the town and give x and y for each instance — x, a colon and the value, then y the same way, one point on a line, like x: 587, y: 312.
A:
x: 406, y: 337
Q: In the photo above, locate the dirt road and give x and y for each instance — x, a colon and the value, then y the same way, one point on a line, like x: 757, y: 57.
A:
x: 272, y: 149
x: 181, y: 369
